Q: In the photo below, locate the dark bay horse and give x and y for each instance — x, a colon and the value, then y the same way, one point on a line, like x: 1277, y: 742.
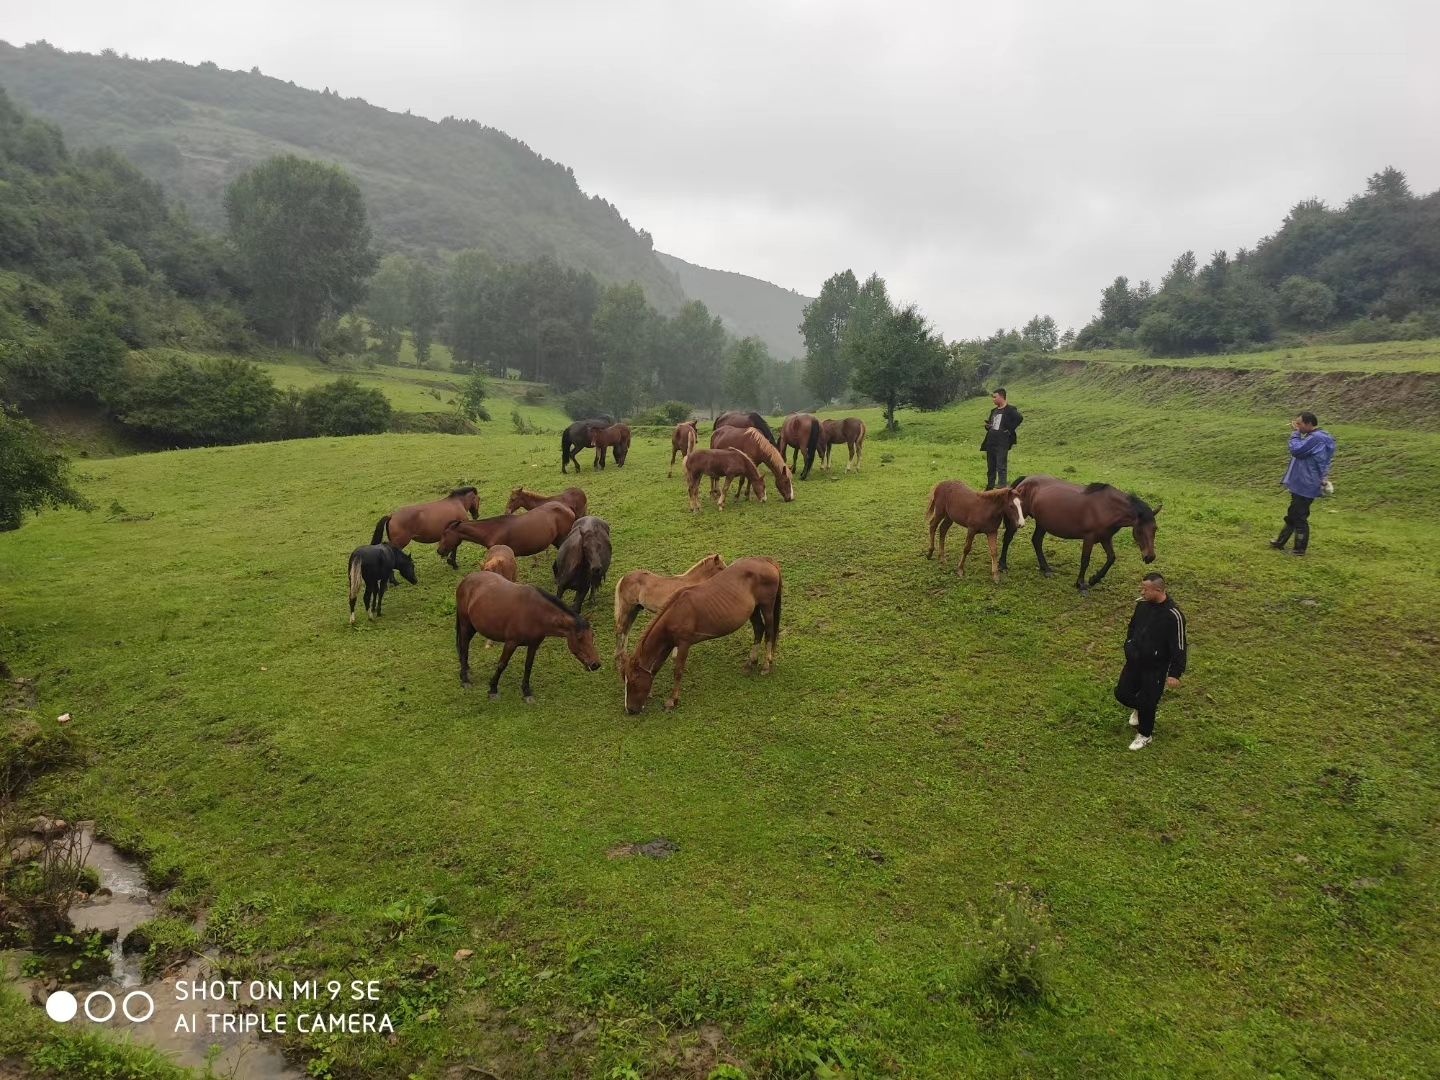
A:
x: 616, y: 436
x: 426, y: 521
x: 500, y: 610
x: 746, y: 590
x: 579, y: 435
x: 583, y: 559
x: 642, y: 590
x: 952, y: 503
x: 747, y: 420
x: 801, y: 431
x: 525, y: 534
x: 753, y: 445
x: 687, y: 434
x: 720, y: 464
x: 851, y: 432
x: 1092, y: 514
x: 520, y: 499
x: 374, y: 567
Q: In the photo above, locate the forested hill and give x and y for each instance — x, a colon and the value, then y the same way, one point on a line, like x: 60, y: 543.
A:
x: 430, y: 187
x: 746, y: 305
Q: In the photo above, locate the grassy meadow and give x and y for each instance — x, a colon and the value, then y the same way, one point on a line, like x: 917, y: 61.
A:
x: 933, y: 780
x: 1381, y: 356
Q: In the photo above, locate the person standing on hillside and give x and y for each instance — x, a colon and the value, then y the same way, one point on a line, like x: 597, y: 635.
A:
x: 1000, y: 428
x: 1156, y: 651
x: 1311, y: 452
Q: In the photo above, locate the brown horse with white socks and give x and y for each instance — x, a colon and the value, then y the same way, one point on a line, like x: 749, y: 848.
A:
x: 641, y: 590
x: 687, y: 434
x: 755, y: 446
x: 851, y: 432
x: 952, y: 503
x: 426, y: 522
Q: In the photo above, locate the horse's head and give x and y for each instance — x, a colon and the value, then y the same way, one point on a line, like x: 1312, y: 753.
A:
x: 581, y: 641
x: 785, y: 483
x: 1014, y: 509
x: 757, y: 484
x: 406, y: 565
x: 638, y: 682
x: 1144, y: 528
x: 469, y: 500
x: 449, y: 539
x: 621, y: 448
x: 516, y: 501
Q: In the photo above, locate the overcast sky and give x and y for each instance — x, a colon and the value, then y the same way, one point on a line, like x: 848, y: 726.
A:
x: 990, y: 161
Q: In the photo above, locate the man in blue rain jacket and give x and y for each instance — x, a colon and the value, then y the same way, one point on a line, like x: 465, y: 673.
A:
x: 1311, y: 451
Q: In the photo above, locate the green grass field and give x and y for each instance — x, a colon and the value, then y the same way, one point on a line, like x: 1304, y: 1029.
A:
x: 1254, y: 894
x: 1392, y: 356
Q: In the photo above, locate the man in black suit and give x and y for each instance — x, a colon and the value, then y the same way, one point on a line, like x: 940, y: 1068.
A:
x: 1000, y: 428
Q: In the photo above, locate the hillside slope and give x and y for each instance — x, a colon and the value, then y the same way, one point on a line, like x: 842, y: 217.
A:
x: 746, y: 305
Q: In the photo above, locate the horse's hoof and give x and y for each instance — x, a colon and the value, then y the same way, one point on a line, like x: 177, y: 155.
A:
x: 465, y: 684
x: 494, y: 695
x: 529, y: 699
x: 670, y: 706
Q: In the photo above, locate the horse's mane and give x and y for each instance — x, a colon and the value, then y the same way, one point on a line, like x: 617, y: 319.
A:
x: 462, y: 491
x: 581, y: 623
x: 1140, y: 507
x: 758, y: 422
x: 760, y: 443
x: 1096, y: 488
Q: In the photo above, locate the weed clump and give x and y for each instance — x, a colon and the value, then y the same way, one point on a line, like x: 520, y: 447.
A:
x: 1015, y: 954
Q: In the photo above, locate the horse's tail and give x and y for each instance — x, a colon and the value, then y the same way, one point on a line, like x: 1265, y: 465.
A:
x: 357, y: 581
x: 564, y: 447
x: 774, y: 629
x: 380, y: 527
x: 930, y: 506
x: 760, y: 425
x: 816, y: 430
x: 860, y: 443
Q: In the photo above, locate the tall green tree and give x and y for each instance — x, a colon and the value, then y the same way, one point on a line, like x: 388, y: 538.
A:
x: 692, y: 360
x: 745, y: 367
x: 32, y: 476
x: 300, y: 232
x: 468, y: 321
x: 424, y: 308
x: 624, y: 340
x: 901, y: 361
x: 1041, y: 333
x: 823, y: 323
x: 388, y: 304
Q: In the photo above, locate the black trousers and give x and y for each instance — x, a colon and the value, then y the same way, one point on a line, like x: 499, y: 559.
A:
x: 1140, y: 688
x: 1297, y: 521
x: 996, y: 469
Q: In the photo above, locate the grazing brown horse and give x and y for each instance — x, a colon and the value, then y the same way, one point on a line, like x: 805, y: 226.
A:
x: 718, y: 464
x: 850, y: 431
x: 641, y: 590
x: 500, y: 610
x: 801, y: 431
x: 526, y: 534
x: 500, y: 559
x: 426, y: 521
x: 583, y: 559
x: 687, y: 434
x: 1092, y: 514
x: 753, y: 445
x: 747, y: 420
x: 952, y: 503
x: 574, y: 498
x: 617, y: 436
x: 746, y: 589
x: 579, y: 435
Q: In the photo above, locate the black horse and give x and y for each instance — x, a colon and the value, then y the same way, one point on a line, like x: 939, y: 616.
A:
x: 375, y: 566
x: 583, y: 559
x: 578, y: 436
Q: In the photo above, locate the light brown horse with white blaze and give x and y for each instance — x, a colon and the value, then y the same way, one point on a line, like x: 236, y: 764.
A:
x: 718, y: 465
x: 747, y: 589
x: 426, y: 522
x: 641, y: 590
x: 851, y: 432
x: 952, y: 503
x: 686, y: 435
x: 759, y: 450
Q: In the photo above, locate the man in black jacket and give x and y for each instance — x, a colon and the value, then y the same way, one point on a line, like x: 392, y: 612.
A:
x: 1000, y: 428
x: 1155, y: 653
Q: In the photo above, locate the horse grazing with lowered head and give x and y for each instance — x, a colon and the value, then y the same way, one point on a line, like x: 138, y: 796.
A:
x: 583, y: 559
x: 578, y: 436
x: 1092, y: 514
x: 500, y: 559
x: 426, y: 521
x: 718, y: 465
x: 802, y: 432
x: 851, y: 432
x: 747, y: 420
x: 687, y: 434
x: 753, y: 445
x: 641, y: 590
x: 526, y: 534
x: 521, y: 499
x: 374, y: 566
x: 952, y: 503
x: 747, y: 589
x: 616, y: 436
x: 515, y: 615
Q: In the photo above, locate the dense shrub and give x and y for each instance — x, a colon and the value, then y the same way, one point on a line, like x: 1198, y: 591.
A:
x: 193, y: 404
x: 472, y: 397
x: 668, y: 414
x: 344, y: 407
x: 1304, y: 302
x: 582, y: 404
x: 32, y: 476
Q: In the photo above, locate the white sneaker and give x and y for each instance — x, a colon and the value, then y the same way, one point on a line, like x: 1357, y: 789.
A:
x: 1140, y: 742
x: 1134, y: 718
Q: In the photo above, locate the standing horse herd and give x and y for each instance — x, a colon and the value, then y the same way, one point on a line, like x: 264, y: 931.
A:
x: 712, y: 599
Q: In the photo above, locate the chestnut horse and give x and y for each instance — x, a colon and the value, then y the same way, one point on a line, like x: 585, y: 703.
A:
x: 500, y: 610
x: 1092, y: 514
x: 641, y: 590
x: 753, y: 445
x: 579, y: 435
x: 747, y: 420
x: 952, y: 503
x: 801, y: 431
x: 616, y: 435
x: 500, y: 559
x: 583, y: 559
x: 526, y: 534
x: 426, y: 521
x: 687, y: 434
x: 850, y: 431
x: 717, y: 464
x: 520, y: 499
x: 746, y: 589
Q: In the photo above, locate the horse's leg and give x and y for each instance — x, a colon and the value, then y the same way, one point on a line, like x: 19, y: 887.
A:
x: 625, y: 617
x: 994, y: 558
x: 772, y: 631
x: 1107, y: 542
x: 530, y: 651
x: 1039, y: 541
x: 369, y: 599
x: 380, y: 594
x: 505, y: 655
x: 671, y: 471
x: 724, y: 491
x: 582, y: 590
x: 1085, y: 551
x: 1005, y: 547
x: 757, y: 623
x: 969, y: 539
x: 945, y: 524
x: 681, y: 652
x: 564, y: 453
x: 464, y: 632
x: 932, y: 521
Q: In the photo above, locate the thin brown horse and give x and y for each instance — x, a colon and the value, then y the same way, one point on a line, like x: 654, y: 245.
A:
x: 718, y: 465
x: 754, y: 446
x: 616, y: 436
x: 500, y: 610
x: 747, y: 589
x: 1092, y: 514
x: 426, y: 522
x: 521, y: 499
x: 851, y: 432
x: 952, y: 503
x: 525, y: 534
x: 641, y: 590
x: 687, y: 434
x: 802, y: 432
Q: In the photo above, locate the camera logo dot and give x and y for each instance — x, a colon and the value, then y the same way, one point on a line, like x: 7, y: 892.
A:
x: 61, y: 1006
x: 100, y: 1007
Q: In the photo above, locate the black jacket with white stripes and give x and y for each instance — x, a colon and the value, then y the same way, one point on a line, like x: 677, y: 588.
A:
x: 1156, y: 638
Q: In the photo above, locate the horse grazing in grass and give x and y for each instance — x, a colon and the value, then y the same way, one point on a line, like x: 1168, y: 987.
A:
x: 952, y: 503
x: 583, y: 559
x: 687, y: 434
x: 500, y: 559
x: 753, y: 445
x: 641, y: 590
x: 579, y: 435
x: 526, y: 534
x: 615, y: 436
x: 801, y: 431
x: 747, y: 420
x: 374, y: 566
x: 426, y: 521
x: 747, y: 589
x: 1092, y: 514
x: 851, y: 432
x: 574, y: 498
x: 500, y: 610
x: 720, y: 464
